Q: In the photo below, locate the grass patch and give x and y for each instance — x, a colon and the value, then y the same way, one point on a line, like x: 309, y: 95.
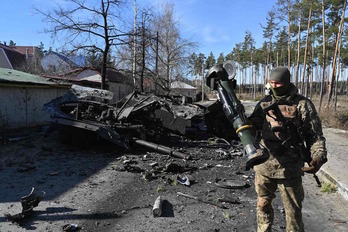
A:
x: 160, y: 188
x: 328, y: 188
x: 211, y: 141
x: 227, y: 215
x: 172, y: 180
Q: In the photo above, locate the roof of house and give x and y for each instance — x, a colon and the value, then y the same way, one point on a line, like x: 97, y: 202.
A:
x: 4, y: 61
x: 88, y: 74
x: 65, y: 58
x: 181, y: 85
x: 15, y: 77
x: 23, y: 49
x: 15, y: 57
x: 85, y: 74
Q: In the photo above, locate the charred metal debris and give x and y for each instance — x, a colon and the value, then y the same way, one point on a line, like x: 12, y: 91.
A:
x: 28, y: 202
x: 145, y: 120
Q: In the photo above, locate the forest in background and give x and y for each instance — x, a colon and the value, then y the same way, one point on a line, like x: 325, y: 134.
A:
x: 307, y: 36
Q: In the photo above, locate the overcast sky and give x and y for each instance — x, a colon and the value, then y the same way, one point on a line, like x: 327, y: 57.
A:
x: 217, y: 25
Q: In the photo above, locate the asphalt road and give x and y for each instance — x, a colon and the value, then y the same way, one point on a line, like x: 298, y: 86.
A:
x: 91, y: 188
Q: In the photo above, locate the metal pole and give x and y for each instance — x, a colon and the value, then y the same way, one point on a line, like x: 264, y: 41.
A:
x: 202, y: 81
x: 157, y: 52
x: 157, y: 76
x: 134, y: 40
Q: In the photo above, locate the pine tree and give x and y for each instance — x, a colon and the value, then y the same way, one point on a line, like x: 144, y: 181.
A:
x: 221, y: 59
x: 210, y: 62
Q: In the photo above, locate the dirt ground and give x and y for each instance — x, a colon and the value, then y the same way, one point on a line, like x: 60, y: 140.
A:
x: 103, y: 188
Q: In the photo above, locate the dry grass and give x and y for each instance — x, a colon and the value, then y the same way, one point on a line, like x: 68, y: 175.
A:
x: 331, y: 117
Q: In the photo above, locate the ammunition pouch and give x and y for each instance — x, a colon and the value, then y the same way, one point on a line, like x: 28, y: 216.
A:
x: 273, y: 128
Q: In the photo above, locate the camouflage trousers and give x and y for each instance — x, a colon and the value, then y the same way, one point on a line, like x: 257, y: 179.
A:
x: 291, y: 191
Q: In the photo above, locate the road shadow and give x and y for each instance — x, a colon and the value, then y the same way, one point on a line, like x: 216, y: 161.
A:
x: 167, y: 209
x: 40, y: 160
x: 58, y: 214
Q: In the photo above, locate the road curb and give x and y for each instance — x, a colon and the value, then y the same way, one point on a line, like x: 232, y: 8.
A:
x: 341, y: 188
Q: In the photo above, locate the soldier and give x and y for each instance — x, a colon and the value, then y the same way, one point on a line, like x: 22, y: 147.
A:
x: 284, y: 168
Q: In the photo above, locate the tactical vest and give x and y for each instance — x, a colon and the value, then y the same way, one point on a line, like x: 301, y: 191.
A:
x: 273, y: 129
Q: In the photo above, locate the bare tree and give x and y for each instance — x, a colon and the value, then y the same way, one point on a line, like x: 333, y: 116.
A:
x: 174, y: 50
x: 90, y: 26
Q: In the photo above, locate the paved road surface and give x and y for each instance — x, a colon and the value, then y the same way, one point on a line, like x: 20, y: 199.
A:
x: 83, y: 187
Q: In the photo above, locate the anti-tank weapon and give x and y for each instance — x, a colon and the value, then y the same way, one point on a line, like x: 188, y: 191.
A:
x: 221, y: 78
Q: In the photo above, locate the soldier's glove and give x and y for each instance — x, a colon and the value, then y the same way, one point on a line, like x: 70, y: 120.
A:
x: 314, y: 165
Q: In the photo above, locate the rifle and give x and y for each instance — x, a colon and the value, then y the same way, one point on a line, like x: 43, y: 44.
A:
x: 295, y: 138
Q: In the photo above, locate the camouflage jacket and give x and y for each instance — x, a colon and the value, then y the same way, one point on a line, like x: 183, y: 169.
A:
x: 286, y: 162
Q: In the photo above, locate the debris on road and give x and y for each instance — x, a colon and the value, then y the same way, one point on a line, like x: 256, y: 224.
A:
x: 184, y: 180
x: 71, y: 227
x: 229, y: 200
x: 157, y: 207
x: 214, y: 203
x: 231, y: 184
x: 29, y: 202
x: 91, y: 187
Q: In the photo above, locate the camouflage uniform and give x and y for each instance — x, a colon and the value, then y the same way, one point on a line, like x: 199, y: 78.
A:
x: 283, y: 168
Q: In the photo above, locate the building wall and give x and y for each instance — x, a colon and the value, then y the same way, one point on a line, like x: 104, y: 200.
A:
x: 21, y: 106
x: 119, y: 90
x: 185, y: 92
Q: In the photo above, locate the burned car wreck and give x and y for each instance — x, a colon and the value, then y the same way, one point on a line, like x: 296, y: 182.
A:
x: 145, y: 120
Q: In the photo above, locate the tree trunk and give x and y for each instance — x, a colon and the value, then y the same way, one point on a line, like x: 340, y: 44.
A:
x: 289, y: 39
x: 240, y: 75
x: 312, y: 73
x: 333, y: 72
x: 270, y: 61
x: 342, y: 75
x: 338, y: 74
x: 103, y: 72
x: 317, y: 78
x: 156, y: 64
x: 306, y: 48
x: 244, y: 77
x: 253, y: 77
x: 240, y: 80
x: 143, y: 45
x: 106, y: 51
x: 264, y: 79
x: 168, y: 67
x: 309, y: 73
x: 346, y: 84
x: 298, y: 52
x: 266, y: 72
x: 134, y: 42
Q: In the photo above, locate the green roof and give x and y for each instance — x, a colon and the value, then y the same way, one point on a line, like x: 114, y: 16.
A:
x: 11, y: 76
